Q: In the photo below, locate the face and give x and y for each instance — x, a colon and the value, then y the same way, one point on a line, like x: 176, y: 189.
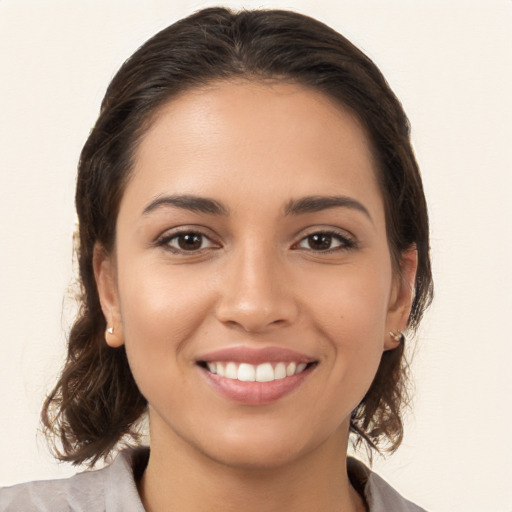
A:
x: 252, y: 281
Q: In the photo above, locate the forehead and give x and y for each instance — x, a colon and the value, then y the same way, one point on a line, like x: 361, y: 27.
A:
x: 251, y: 138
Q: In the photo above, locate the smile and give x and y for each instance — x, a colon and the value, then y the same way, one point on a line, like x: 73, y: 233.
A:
x: 255, y: 376
x: 264, y: 372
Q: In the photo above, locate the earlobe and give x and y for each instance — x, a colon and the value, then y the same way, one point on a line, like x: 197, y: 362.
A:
x: 106, y: 284
x: 402, y: 299
x: 396, y: 338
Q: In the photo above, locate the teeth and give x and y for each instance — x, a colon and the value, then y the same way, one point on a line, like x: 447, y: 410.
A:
x: 280, y: 371
x: 231, y: 371
x: 264, y: 372
x: 246, y: 372
x: 300, y: 367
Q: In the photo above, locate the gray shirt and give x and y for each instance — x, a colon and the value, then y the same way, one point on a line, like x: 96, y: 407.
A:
x: 113, y: 489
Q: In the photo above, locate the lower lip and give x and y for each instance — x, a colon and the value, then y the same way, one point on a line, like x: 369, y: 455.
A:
x: 255, y: 393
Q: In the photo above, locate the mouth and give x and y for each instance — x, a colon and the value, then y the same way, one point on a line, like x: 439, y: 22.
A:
x: 256, y: 376
x: 263, y: 372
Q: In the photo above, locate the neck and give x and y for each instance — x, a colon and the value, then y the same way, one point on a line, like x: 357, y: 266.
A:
x: 179, y: 477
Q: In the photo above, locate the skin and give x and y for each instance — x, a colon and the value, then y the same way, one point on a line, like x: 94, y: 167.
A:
x: 257, y: 279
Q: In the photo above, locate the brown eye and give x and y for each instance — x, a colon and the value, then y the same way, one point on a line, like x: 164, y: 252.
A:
x: 188, y: 241
x: 325, y: 241
x: 319, y: 241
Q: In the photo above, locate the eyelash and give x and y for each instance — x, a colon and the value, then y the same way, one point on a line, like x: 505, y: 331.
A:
x: 345, y: 242
x: 165, y: 241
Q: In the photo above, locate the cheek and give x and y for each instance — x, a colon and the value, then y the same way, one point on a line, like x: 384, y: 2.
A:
x: 353, y: 301
x: 160, y: 311
x: 349, y: 313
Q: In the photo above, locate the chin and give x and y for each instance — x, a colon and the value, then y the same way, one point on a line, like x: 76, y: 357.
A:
x: 256, y: 457
x: 268, y: 447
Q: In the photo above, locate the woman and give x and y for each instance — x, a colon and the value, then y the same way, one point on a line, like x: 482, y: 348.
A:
x: 253, y: 245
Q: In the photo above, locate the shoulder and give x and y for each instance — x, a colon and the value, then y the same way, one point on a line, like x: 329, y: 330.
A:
x: 380, y: 496
x: 110, y: 489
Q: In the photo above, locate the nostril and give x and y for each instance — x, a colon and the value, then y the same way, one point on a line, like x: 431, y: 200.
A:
x: 254, y: 304
x: 254, y: 321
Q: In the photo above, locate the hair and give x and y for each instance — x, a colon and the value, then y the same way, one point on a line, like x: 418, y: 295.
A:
x: 96, y: 403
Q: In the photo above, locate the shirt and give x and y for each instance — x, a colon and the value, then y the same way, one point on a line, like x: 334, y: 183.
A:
x: 114, y: 489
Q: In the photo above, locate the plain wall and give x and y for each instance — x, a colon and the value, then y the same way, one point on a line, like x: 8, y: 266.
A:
x: 450, y: 62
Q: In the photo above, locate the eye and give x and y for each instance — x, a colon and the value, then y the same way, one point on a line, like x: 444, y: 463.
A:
x: 324, y: 241
x: 187, y: 241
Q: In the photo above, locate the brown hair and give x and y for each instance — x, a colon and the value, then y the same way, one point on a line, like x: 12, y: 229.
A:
x: 96, y: 402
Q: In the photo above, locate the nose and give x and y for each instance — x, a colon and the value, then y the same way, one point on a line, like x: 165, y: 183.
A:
x: 256, y: 295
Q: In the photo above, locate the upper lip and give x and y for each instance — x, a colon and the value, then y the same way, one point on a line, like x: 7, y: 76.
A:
x: 243, y: 354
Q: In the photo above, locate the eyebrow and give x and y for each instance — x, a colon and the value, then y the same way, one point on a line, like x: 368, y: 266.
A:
x: 187, y: 202
x: 308, y: 204
x: 311, y: 204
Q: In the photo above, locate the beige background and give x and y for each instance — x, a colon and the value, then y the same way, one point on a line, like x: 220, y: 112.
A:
x: 451, y: 64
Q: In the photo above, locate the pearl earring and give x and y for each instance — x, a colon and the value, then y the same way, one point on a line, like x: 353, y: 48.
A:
x: 398, y: 336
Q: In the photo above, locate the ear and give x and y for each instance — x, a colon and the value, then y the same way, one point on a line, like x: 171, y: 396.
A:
x: 402, y: 297
x: 106, y: 283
